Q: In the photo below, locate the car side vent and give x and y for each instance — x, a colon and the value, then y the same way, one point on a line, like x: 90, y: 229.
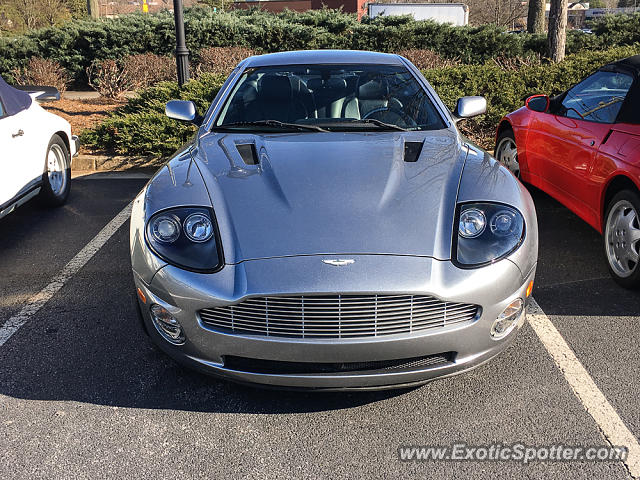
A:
x: 248, y: 153
x: 412, y: 151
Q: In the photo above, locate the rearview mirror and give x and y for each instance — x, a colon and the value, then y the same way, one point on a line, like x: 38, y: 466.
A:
x: 183, y: 110
x: 538, y: 103
x: 468, y: 107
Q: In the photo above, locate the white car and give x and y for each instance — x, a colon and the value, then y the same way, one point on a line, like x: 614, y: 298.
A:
x: 36, y: 148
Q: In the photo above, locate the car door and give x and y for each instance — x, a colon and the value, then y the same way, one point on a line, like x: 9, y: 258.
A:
x: 567, y: 143
x: 15, y: 173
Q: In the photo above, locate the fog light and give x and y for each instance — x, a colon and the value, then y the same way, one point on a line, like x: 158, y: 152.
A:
x: 508, y: 319
x: 166, y: 324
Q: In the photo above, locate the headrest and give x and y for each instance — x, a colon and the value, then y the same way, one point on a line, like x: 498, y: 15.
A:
x: 297, y: 85
x: 274, y: 87
x: 314, y: 83
x: 250, y: 91
x: 373, y: 90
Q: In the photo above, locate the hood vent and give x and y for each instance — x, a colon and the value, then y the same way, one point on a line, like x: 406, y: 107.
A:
x: 248, y: 153
x: 412, y: 151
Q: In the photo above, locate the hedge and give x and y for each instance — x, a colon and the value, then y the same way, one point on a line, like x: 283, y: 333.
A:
x: 140, y: 127
x: 77, y: 43
x: 507, y: 89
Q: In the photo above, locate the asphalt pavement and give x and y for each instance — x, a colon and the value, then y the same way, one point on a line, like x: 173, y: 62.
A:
x: 83, y: 394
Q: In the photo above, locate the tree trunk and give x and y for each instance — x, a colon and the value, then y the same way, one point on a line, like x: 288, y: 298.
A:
x: 557, y: 37
x: 535, y: 17
x: 93, y: 8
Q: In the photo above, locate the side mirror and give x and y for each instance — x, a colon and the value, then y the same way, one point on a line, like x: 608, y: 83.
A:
x: 538, y: 103
x: 468, y: 107
x: 183, y: 110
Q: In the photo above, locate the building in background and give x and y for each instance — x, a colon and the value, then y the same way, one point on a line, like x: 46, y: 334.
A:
x: 453, y: 13
x: 112, y: 8
x: 349, y: 6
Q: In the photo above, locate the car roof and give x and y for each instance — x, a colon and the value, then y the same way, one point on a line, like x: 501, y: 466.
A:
x: 13, y: 100
x: 626, y: 64
x: 316, y: 57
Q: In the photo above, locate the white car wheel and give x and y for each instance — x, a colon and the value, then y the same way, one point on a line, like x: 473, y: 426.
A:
x: 56, y: 180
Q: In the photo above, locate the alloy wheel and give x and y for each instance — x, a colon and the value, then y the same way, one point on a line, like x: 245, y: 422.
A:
x: 622, y: 233
x: 56, y: 166
x: 507, y: 154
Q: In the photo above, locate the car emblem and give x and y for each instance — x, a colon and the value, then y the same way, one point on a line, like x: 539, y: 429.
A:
x: 339, y: 262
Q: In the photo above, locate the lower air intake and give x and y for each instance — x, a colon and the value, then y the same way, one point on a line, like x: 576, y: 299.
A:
x: 274, y: 367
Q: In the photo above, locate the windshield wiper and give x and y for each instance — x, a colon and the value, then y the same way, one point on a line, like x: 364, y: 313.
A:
x: 377, y: 123
x: 272, y: 123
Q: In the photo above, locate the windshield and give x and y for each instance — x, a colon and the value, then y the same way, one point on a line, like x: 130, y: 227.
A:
x: 328, y: 98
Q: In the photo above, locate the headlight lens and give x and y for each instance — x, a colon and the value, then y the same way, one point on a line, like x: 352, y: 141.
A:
x: 486, y: 233
x: 472, y: 223
x: 198, y: 227
x: 197, y: 249
x: 166, y: 228
x: 507, y: 320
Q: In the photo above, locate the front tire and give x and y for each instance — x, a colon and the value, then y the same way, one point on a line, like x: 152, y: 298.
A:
x: 506, y: 151
x: 622, y: 238
x: 56, y: 179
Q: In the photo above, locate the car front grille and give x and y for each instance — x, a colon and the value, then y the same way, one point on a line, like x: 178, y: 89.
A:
x: 336, y: 316
x: 276, y: 367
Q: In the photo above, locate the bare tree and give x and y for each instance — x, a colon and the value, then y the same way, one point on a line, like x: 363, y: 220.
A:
x: 535, y: 17
x: 52, y: 11
x: 557, y: 37
x: 27, y: 11
x: 503, y: 13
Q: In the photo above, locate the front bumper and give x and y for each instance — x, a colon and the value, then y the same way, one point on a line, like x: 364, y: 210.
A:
x: 76, y: 145
x: 185, y: 293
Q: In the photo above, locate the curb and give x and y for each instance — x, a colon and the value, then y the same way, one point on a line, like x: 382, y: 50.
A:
x: 114, y: 163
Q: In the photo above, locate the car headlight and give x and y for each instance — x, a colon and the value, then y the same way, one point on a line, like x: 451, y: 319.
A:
x: 486, y: 232
x: 185, y: 237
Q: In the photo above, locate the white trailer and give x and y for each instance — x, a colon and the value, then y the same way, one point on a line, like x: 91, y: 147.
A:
x: 454, y: 13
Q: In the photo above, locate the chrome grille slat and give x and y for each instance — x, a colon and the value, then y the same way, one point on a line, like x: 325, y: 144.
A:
x: 344, y: 308
x: 336, y: 316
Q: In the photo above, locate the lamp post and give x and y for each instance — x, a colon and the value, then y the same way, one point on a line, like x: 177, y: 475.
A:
x: 182, y: 52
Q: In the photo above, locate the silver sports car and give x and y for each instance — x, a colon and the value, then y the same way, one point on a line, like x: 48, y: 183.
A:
x: 328, y: 227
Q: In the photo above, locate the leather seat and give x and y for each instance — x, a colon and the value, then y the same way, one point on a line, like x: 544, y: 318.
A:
x: 277, y: 100
x: 371, y: 94
x: 328, y: 95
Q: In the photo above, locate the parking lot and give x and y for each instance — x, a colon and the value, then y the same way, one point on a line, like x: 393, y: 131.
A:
x: 83, y: 394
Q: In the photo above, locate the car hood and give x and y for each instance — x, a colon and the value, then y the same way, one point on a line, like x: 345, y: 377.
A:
x: 333, y: 193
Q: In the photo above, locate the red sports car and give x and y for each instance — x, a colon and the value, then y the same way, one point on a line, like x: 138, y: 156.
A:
x: 583, y: 148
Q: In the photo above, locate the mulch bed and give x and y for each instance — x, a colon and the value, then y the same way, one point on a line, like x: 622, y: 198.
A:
x: 83, y: 114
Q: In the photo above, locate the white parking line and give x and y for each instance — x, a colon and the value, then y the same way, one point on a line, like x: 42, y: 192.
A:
x: 593, y: 400
x: 38, y: 301
x: 595, y: 403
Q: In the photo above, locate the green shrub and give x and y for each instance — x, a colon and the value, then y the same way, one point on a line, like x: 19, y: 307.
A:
x: 78, y: 43
x: 507, y: 89
x: 140, y: 126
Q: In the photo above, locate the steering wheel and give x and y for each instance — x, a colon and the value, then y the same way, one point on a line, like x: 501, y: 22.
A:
x: 391, y: 115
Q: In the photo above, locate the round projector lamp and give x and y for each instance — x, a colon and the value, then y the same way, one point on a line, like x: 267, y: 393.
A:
x: 508, y: 319
x: 166, y: 324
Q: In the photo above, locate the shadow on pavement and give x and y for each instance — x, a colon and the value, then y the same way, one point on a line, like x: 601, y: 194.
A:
x: 572, y: 276
x: 86, y: 346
